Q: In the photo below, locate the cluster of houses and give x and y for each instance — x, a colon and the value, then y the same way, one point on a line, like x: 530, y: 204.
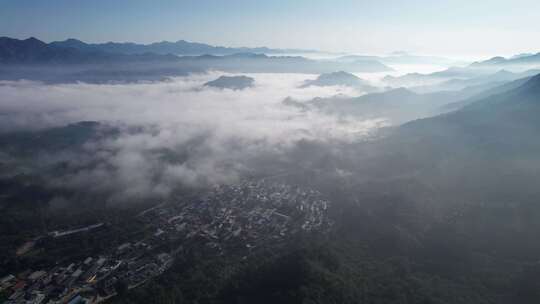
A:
x: 242, y: 217
x: 91, y: 280
x: 239, y: 219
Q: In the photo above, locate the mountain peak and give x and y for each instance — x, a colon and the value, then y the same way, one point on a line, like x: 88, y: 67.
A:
x: 34, y: 41
x: 232, y: 82
x: 72, y: 40
x: 340, y: 78
x: 342, y: 74
x: 496, y: 58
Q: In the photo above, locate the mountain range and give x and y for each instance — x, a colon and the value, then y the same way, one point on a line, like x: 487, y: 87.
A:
x: 484, y: 152
x: 402, y: 105
x: 487, y: 149
x: 404, y: 58
x: 521, y: 59
x: 34, y: 51
x: 503, y: 116
x: 180, y: 47
x: 19, y: 59
x: 455, y: 78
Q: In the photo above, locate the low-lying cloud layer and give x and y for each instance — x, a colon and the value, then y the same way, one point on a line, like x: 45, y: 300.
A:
x: 187, y: 134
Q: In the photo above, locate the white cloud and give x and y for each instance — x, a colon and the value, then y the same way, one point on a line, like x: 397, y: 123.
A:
x: 189, y: 134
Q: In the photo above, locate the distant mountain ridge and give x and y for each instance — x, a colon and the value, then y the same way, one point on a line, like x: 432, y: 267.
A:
x: 19, y: 57
x: 396, y: 106
x: 520, y: 59
x: 404, y: 58
x: 459, y: 77
x: 34, y: 51
x: 402, y: 105
x: 508, y: 119
x: 180, y: 47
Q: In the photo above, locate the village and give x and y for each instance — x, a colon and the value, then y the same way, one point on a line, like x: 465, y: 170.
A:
x: 228, y: 220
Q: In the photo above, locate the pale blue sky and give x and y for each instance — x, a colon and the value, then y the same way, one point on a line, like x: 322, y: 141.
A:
x: 459, y: 27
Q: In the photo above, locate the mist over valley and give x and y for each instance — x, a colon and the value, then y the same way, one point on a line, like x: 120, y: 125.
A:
x: 175, y: 171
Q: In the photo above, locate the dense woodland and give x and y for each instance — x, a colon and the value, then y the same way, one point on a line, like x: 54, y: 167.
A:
x: 384, y: 249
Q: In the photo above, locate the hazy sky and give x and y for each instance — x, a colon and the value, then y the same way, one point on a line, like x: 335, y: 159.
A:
x: 459, y: 27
